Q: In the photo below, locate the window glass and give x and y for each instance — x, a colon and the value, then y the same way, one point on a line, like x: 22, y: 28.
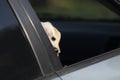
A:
x: 87, y: 27
x: 17, y: 61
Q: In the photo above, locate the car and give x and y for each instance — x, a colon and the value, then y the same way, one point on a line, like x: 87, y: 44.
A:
x: 90, y: 49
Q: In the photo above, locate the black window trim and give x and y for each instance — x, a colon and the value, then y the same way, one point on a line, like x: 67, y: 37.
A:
x: 33, y: 30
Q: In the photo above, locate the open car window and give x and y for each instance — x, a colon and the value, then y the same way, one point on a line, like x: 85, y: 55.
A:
x: 88, y: 27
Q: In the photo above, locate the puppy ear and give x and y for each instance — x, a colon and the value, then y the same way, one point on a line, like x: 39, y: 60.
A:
x: 48, y: 27
x: 44, y: 26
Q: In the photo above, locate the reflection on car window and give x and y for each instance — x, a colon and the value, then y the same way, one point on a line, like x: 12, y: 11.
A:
x: 17, y: 61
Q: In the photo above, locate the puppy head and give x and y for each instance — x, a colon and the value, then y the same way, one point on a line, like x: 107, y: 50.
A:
x: 53, y: 34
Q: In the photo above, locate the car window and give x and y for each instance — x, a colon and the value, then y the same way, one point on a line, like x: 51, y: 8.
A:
x: 17, y: 61
x: 88, y: 28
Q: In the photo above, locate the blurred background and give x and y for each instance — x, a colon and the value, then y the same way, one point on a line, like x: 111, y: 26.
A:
x: 72, y: 9
x: 88, y: 28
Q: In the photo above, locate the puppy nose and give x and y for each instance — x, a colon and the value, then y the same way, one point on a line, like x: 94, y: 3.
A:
x: 56, y: 50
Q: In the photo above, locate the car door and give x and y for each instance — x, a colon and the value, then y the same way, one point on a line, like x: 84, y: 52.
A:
x: 105, y: 66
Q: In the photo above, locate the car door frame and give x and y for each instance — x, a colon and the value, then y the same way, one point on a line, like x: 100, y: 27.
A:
x: 45, y: 55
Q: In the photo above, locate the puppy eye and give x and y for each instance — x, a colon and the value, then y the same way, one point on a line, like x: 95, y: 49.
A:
x: 53, y: 38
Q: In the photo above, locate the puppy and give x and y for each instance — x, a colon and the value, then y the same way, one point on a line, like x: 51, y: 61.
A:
x: 53, y: 34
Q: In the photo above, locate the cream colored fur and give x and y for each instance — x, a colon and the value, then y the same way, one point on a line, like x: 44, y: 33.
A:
x: 53, y: 34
